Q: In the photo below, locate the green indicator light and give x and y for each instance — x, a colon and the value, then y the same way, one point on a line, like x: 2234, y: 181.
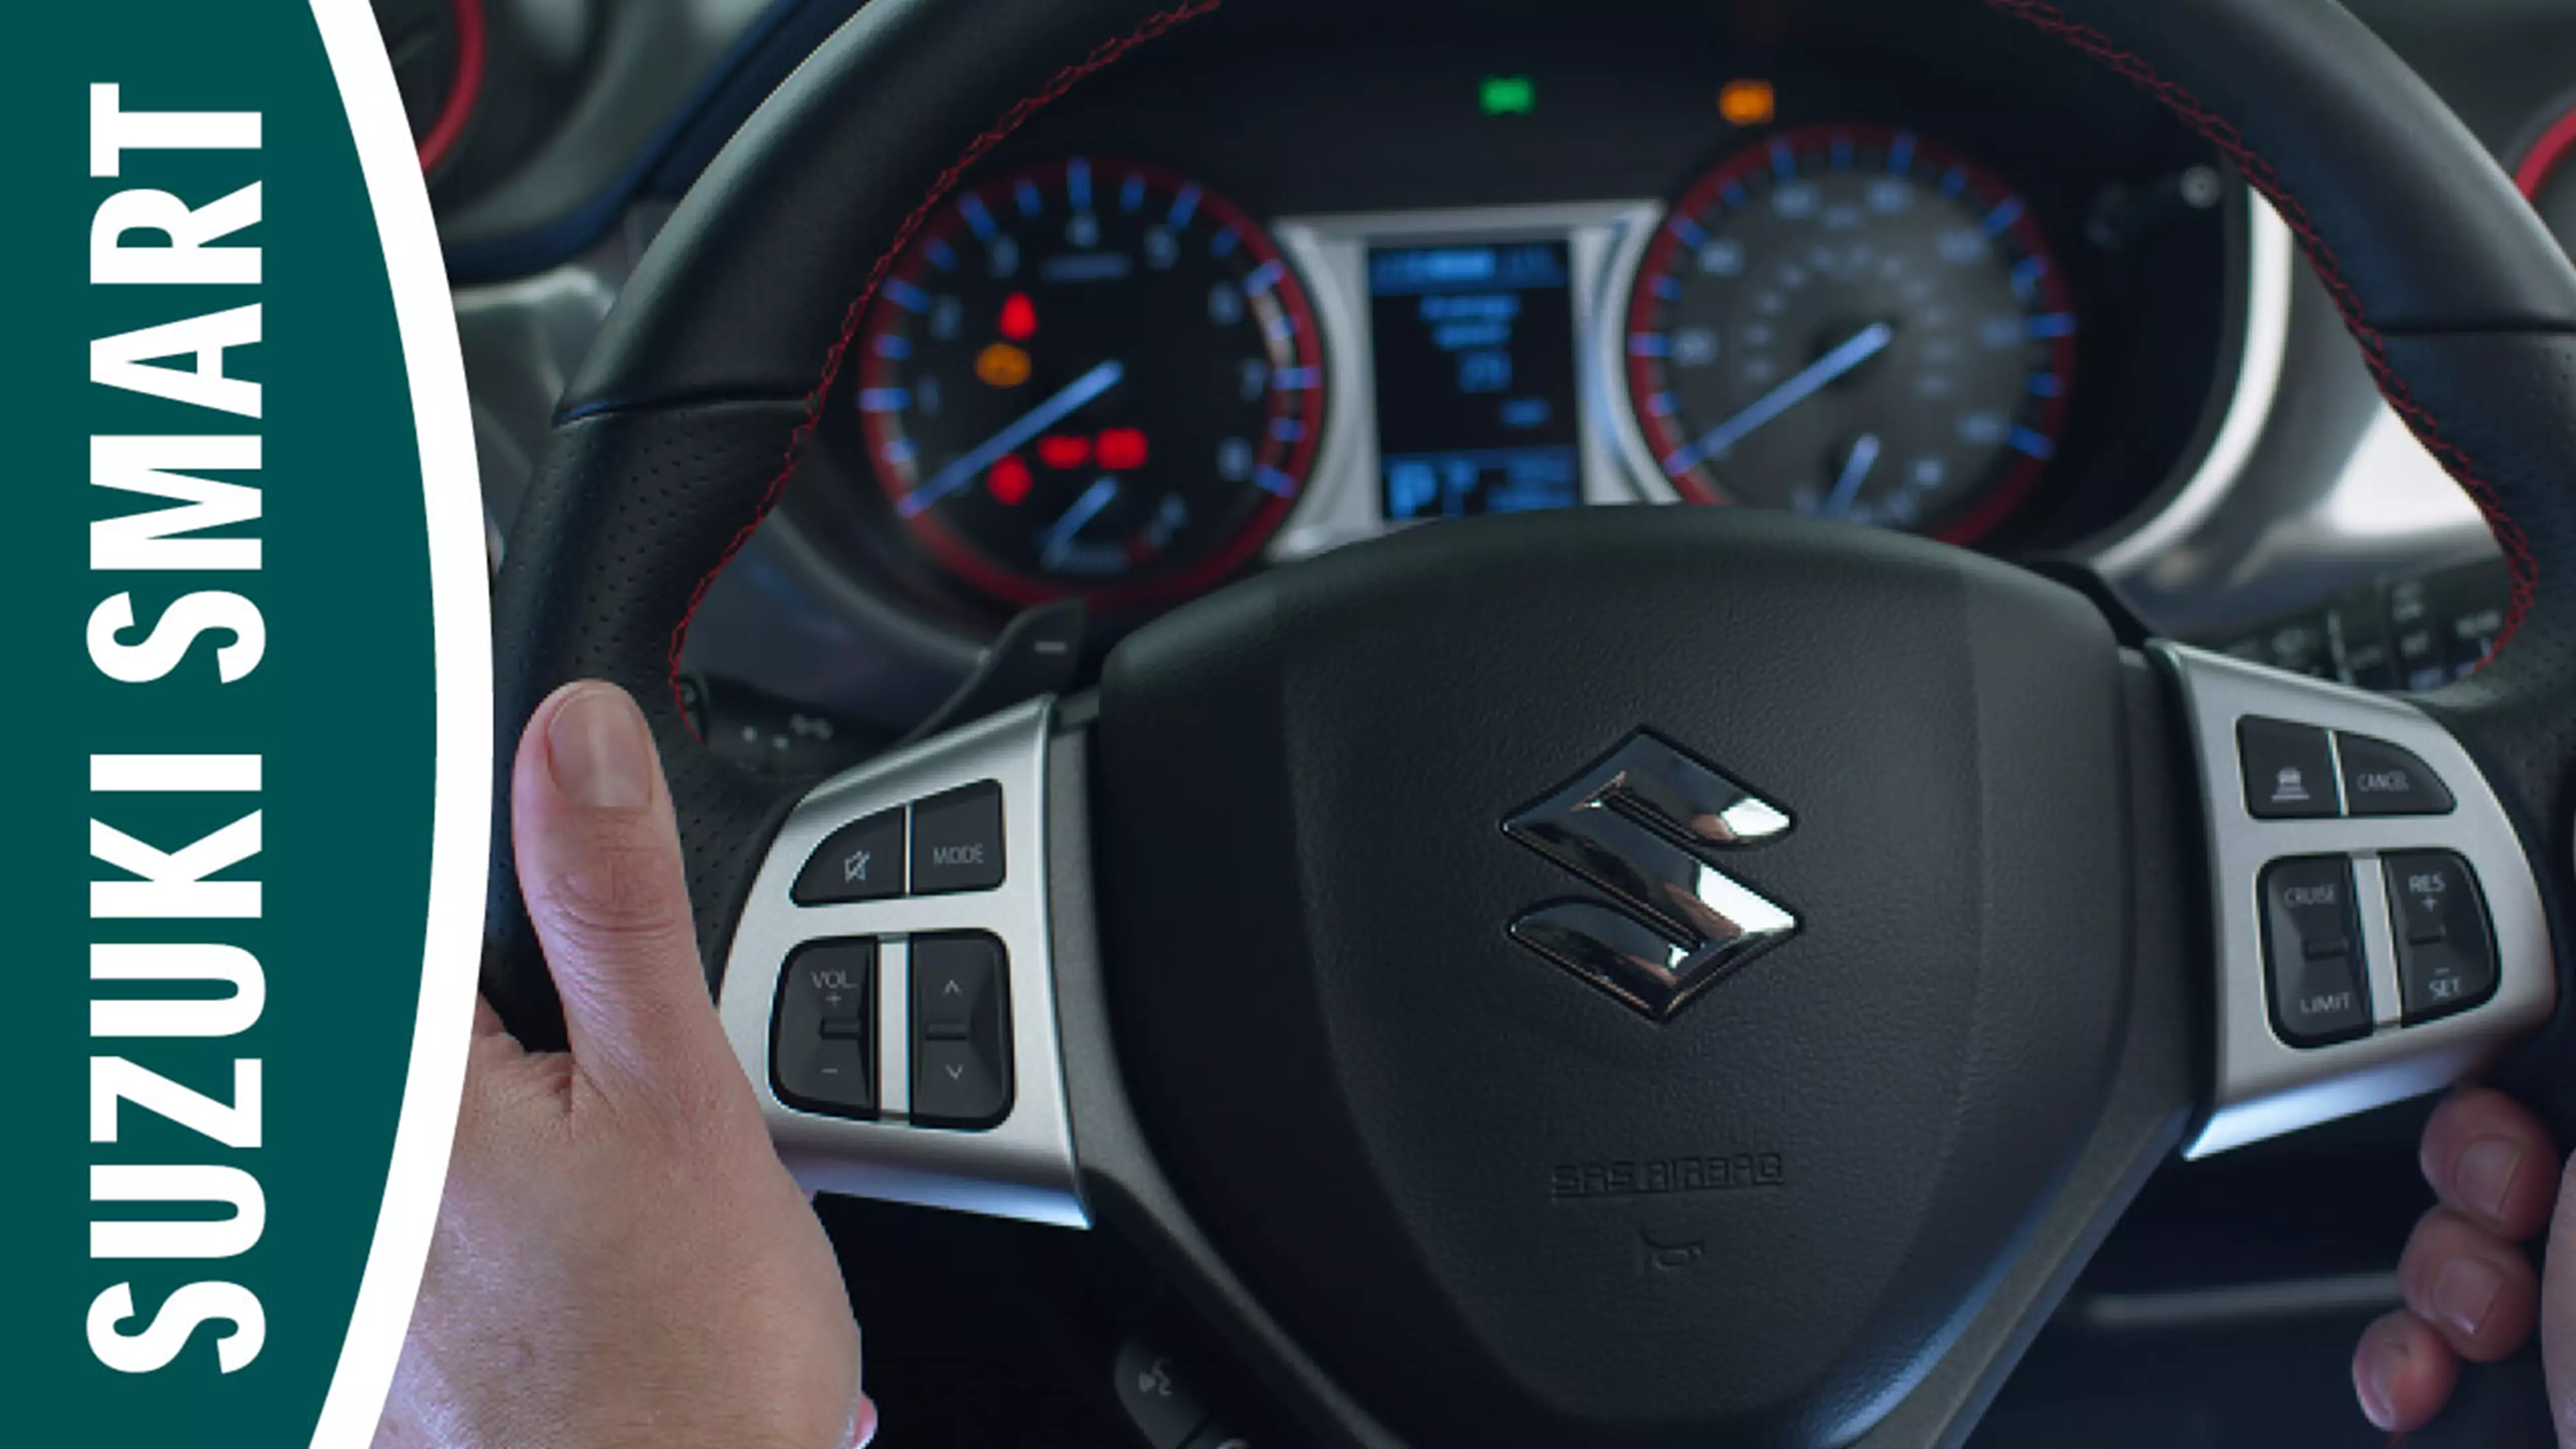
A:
x: 1507, y: 95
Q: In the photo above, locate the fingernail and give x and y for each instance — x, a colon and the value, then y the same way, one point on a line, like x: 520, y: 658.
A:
x: 2486, y: 1172
x: 2465, y: 1290
x: 2376, y: 1376
x: 599, y: 751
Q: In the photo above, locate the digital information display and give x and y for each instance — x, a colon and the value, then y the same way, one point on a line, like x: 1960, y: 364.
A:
x: 1475, y: 378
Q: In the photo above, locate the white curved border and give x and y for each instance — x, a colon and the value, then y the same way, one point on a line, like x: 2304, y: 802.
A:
x: 460, y: 612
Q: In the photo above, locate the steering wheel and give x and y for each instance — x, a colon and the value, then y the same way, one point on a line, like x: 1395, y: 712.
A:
x: 1622, y: 977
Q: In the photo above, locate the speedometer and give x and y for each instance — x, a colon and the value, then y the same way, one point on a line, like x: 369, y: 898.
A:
x: 1854, y: 323
x: 1089, y: 378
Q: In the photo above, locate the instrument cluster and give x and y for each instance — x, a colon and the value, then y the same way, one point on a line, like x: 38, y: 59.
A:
x: 1199, y: 323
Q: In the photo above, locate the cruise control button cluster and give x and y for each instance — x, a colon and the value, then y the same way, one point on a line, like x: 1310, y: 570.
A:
x: 2312, y: 951
x: 822, y: 1052
x: 2291, y: 773
x: 2446, y: 956
x: 951, y: 842
x: 961, y: 1031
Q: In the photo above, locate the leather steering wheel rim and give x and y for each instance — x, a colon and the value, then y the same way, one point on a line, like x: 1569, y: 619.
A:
x: 692, y: 411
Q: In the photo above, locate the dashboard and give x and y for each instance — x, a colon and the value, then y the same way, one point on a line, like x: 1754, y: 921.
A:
x: 1501, y: 256
x: 1276, y: 289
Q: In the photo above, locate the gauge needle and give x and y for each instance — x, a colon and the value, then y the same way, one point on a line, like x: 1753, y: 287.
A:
x: 963, y: 469
x: 1859, y: 348
x: 1864, y: 456
x: 1059, y: 535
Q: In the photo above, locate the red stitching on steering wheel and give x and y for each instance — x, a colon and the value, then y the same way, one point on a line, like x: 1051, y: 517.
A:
x: 2259, y: 173
x: 1101, y: 57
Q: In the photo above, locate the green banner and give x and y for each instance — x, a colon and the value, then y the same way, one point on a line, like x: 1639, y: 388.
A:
x: 252, y: 753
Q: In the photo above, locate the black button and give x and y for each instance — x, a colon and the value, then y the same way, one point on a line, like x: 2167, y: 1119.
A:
x: 1157, y: 1399
x: 2381, y: 779
x: 957, y: 840
x: 954, y: 1085
x: 2289, y: 772
x: 954, y: 980
x: 1217, y: 1436
x: 821, y: 1050
x: 861, y: 861
x: 2446, y: 958
x: 961, y: 1031
x: 2318, y: 993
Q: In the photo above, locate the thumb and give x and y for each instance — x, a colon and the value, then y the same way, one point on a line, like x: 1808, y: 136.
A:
x: 599, y: 867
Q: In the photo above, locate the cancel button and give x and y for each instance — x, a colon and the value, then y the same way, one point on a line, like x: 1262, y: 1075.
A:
x: 957, y: 840
x: 2381, y: 779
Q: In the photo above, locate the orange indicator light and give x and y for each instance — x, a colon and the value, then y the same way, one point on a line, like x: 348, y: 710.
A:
x: 1748, y: 102
x: 1002, y: 365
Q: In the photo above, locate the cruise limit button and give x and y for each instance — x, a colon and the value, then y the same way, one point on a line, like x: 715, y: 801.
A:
x: 2312, y: 954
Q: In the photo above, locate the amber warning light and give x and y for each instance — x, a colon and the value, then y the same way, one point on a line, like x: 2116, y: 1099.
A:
x: 1748, y: 102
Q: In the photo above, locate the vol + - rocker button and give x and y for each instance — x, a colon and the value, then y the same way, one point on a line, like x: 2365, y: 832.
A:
x: 821, y: 1050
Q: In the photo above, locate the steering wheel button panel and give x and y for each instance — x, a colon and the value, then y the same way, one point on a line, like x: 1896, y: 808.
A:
x: 862, y: 861
x: 2447, y: 965
x: 2446, y: 958
x: 2311, y: 950
x: 957, y: 840
x: 2289, y: 770
x: 2381, y: 779
x: 983, y: 1062
x: 820, y: 1058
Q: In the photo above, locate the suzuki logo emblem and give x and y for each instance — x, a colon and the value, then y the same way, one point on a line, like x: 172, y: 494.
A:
x: 1645, y: 826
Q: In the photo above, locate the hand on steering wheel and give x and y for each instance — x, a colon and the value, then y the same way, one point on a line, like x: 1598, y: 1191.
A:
x: 620, y: 1258
x: 2471, y: 1292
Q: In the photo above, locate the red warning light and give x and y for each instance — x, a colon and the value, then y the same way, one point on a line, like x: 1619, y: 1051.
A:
x: 1019, y: 317
x: 1009, y: 479
x: 1122, y: 448
x: 1057, y: 450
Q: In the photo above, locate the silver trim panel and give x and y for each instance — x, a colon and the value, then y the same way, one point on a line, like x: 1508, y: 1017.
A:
x: 1021, y: 1168
x: 2264, y: 1088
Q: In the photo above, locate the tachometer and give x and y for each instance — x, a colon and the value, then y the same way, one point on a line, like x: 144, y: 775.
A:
x: 1089, y: 377
x: 1856, y: 323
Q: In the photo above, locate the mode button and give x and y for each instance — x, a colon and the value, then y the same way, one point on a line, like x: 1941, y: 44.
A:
x: 957, y: 840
